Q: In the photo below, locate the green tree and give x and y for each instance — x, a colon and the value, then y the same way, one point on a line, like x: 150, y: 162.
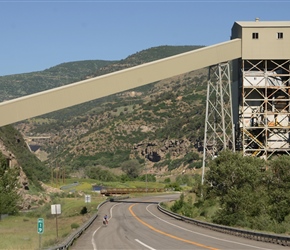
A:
x: 239, y: 183
x: 97, y: 173
x: 8, y: 187
x: 148, y: 177
x: 278, y: 188
x: 187, y: 179
x: 131, y: 168
x: 167, y: 180
x: 178, y: 204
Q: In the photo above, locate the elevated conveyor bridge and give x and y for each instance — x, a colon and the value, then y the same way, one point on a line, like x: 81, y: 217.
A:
x: 22, y: 108
x: 218, y: 125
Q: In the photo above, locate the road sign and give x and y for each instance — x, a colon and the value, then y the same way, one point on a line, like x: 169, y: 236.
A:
x: 56, y: 209
x: 87, y: 198
x: 40, y: 225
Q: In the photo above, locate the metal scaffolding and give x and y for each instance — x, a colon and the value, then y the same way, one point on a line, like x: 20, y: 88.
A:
x: 219, y: 128
x: 265, y: 107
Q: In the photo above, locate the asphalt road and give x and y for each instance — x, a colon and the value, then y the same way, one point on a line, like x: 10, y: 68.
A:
x: 138, y: 224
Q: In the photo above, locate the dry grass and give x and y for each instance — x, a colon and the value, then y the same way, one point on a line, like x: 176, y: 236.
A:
x: 20, y: 232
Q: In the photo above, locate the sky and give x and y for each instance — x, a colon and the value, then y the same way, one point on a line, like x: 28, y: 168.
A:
x: 37, y: 35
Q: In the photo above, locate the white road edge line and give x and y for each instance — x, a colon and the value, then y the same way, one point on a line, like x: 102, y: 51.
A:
x: 203, y: 234
x: 143, y: 244
x: 111, y: 215
x: 92, y: 240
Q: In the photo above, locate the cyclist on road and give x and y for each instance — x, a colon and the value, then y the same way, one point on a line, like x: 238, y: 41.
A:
x: 105, y: 220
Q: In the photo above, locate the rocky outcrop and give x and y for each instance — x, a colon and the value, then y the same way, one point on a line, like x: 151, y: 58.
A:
x: 29, y: 201
x: 156, y: 151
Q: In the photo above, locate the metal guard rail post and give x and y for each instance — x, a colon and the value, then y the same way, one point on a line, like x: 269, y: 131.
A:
x: 258, y: 236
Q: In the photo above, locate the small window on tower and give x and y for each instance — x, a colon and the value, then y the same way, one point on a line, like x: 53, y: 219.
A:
x: 279, y: 35
x: 255, y: 35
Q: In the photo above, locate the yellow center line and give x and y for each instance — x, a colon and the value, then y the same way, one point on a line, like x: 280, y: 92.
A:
x: 166, y: 234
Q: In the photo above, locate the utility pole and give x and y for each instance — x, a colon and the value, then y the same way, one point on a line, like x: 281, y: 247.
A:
x: 146, y: 170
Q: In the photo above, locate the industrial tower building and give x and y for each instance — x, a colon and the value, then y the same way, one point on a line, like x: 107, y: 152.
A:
x: 248, y: 100
x: 263, y: 75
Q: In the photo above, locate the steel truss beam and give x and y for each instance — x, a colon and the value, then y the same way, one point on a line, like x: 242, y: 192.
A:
x: 219, y: 129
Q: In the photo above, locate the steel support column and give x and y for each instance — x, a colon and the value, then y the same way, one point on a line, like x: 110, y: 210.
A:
x: 219, y: 131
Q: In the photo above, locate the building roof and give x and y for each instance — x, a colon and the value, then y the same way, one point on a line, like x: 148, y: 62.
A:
x: 261, y: 24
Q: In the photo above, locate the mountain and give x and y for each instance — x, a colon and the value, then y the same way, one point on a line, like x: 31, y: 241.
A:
x: 160, y: 123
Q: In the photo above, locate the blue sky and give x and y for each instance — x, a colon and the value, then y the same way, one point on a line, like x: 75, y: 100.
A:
x: 36, y: 35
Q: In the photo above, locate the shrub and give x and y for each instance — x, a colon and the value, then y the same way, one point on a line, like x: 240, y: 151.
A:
x: 167, y: 180
x: 74, y: 226
x: 84, y: 210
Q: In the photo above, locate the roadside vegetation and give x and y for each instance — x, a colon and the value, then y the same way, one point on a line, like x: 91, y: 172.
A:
x: 20, y: 231
x: 243, y: 192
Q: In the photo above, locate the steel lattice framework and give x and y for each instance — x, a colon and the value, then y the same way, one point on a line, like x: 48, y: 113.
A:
x: 219, y: 127
x: 265, y: 107
x: 263, y: 127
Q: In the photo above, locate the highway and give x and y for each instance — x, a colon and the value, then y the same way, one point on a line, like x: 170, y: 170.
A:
x: 136, y: 223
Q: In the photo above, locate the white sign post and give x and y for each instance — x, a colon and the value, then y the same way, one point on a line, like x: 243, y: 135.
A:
x: 56, y: 209
x: 87, y: 198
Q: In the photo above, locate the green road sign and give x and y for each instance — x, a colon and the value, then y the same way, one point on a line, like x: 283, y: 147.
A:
x: 40, y: 225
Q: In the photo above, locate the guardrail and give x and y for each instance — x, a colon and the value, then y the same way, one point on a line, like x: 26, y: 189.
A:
x: 72, y: 237
x: 258, y: 236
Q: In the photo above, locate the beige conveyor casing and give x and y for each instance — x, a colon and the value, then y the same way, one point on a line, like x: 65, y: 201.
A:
x: 80, y: 92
